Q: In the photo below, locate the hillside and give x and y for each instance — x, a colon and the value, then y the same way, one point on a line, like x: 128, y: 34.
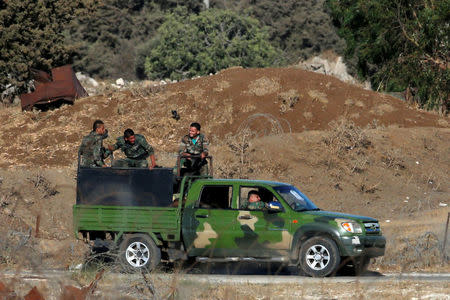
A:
x: 348, y: 149
x: 268, y: 101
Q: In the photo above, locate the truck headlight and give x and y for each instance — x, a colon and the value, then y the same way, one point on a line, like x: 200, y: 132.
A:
x: 349, y: 225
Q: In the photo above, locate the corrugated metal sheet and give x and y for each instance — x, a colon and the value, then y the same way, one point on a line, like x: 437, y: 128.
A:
x: 61, y: 85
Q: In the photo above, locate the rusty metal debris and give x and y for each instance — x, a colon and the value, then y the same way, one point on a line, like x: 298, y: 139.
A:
x: 73, y: 293
x: 68, y: 292
x: 34, y: 294
x: 61, y: 85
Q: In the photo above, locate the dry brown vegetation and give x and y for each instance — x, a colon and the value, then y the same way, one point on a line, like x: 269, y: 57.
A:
x: 348, y: 149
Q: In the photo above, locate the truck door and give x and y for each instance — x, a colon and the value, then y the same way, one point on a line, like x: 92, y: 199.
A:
x: 208, y: 228
x: 263, y: 233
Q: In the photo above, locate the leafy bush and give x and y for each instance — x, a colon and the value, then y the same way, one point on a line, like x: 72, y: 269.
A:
x: 109, y: 42
x: 300, y: 29
x: 190, y: 45
x: 399, y: 44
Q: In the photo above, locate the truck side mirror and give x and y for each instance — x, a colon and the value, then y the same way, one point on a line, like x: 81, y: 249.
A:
x: 274, y: 206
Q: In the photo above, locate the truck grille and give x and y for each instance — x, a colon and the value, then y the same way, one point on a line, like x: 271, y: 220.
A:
x: 372, y: 228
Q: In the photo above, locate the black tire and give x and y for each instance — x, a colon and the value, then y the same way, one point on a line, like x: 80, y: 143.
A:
x: 138, y: 252
x: 319, y: 257
x: 356, y: 266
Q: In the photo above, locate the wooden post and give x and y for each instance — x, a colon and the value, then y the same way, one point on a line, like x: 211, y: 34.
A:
x: 38, y: 221
x: 444, y: 257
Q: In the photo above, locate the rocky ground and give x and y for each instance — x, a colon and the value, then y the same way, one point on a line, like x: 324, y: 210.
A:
x: 348, y: 149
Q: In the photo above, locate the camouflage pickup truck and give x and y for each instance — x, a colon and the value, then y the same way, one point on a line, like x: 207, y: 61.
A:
x: 137, y: 213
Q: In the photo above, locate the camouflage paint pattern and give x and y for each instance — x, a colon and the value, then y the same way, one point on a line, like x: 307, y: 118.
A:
x: 140, y: 150
x: 188, y: 146
x: 247, y: 233
x: 255, y: 205
x: 91, y: 150
x: 257, y: 233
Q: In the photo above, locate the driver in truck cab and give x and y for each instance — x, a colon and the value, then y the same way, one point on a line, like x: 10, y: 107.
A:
x: 254, y: 201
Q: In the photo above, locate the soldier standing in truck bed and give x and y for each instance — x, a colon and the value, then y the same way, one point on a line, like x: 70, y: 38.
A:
x: 91, y: 151
x: 194, y: 144
x: 136, y: 149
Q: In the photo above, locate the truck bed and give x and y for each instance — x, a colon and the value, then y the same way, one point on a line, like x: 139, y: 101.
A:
x: 164, y: 221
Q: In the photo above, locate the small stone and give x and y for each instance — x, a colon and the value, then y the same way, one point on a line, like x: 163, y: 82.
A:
x: 28, y: 201
x: 76, y: 267
x: 120, y: 81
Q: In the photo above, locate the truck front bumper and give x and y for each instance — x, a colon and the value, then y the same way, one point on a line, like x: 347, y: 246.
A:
x: 369, y: 246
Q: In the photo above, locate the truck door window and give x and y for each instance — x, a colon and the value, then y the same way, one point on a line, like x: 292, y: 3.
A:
x: 214, y: 196
x: 265, y: 195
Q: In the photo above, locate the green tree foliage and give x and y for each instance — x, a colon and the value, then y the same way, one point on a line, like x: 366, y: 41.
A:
x: 190, y: 45
x: 399, y: 44
x: 30, y: 37
x: 301, y: 28
x: 109, y: 42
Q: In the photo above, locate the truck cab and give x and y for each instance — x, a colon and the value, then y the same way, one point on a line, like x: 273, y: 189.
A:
x: 217, y: 223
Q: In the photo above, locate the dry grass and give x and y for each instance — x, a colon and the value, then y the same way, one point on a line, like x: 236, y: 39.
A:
x: 288, y: 100
x: 151, y: 286
x: 318, y: 96
x: 345, y: 136
x: 264, y: 86
x: 392, y: 159
x: 43, y: 185
x: 238, y: 159
x: 346, y: 146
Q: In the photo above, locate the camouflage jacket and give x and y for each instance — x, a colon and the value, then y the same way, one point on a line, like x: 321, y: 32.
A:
x: 91, y: 150
x: 256, y: 205
x: 139, y: 150
x: 187, y: 145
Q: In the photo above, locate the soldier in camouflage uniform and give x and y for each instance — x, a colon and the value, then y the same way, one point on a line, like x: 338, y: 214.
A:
x: 136, y: 149
x: 91, y: 151
x: 254, y: 201
x: 194, y: 143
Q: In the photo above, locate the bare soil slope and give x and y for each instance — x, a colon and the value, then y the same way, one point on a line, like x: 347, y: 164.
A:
x: 268, y: 101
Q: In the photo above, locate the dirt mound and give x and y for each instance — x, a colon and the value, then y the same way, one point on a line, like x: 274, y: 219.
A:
x: 267, y: 101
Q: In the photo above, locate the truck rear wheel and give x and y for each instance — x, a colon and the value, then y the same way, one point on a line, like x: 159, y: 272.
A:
x: 138, y: 252
x: 319, y: 257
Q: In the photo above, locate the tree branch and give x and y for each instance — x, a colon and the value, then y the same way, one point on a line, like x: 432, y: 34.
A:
x: 403, y: 28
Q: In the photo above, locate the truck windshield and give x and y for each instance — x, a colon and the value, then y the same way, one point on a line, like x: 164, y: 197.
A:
x: 296, y: 200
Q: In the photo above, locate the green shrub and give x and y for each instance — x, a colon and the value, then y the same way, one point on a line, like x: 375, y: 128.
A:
x: 190, y: 45
x: 396, y: 44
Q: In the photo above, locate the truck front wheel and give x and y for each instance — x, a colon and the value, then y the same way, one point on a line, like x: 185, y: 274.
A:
x: 319, y: 257
x: 138, y: 252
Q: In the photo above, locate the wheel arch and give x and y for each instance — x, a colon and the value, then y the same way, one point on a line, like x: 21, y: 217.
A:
x: 313, y: 230
x: 152, y: 235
